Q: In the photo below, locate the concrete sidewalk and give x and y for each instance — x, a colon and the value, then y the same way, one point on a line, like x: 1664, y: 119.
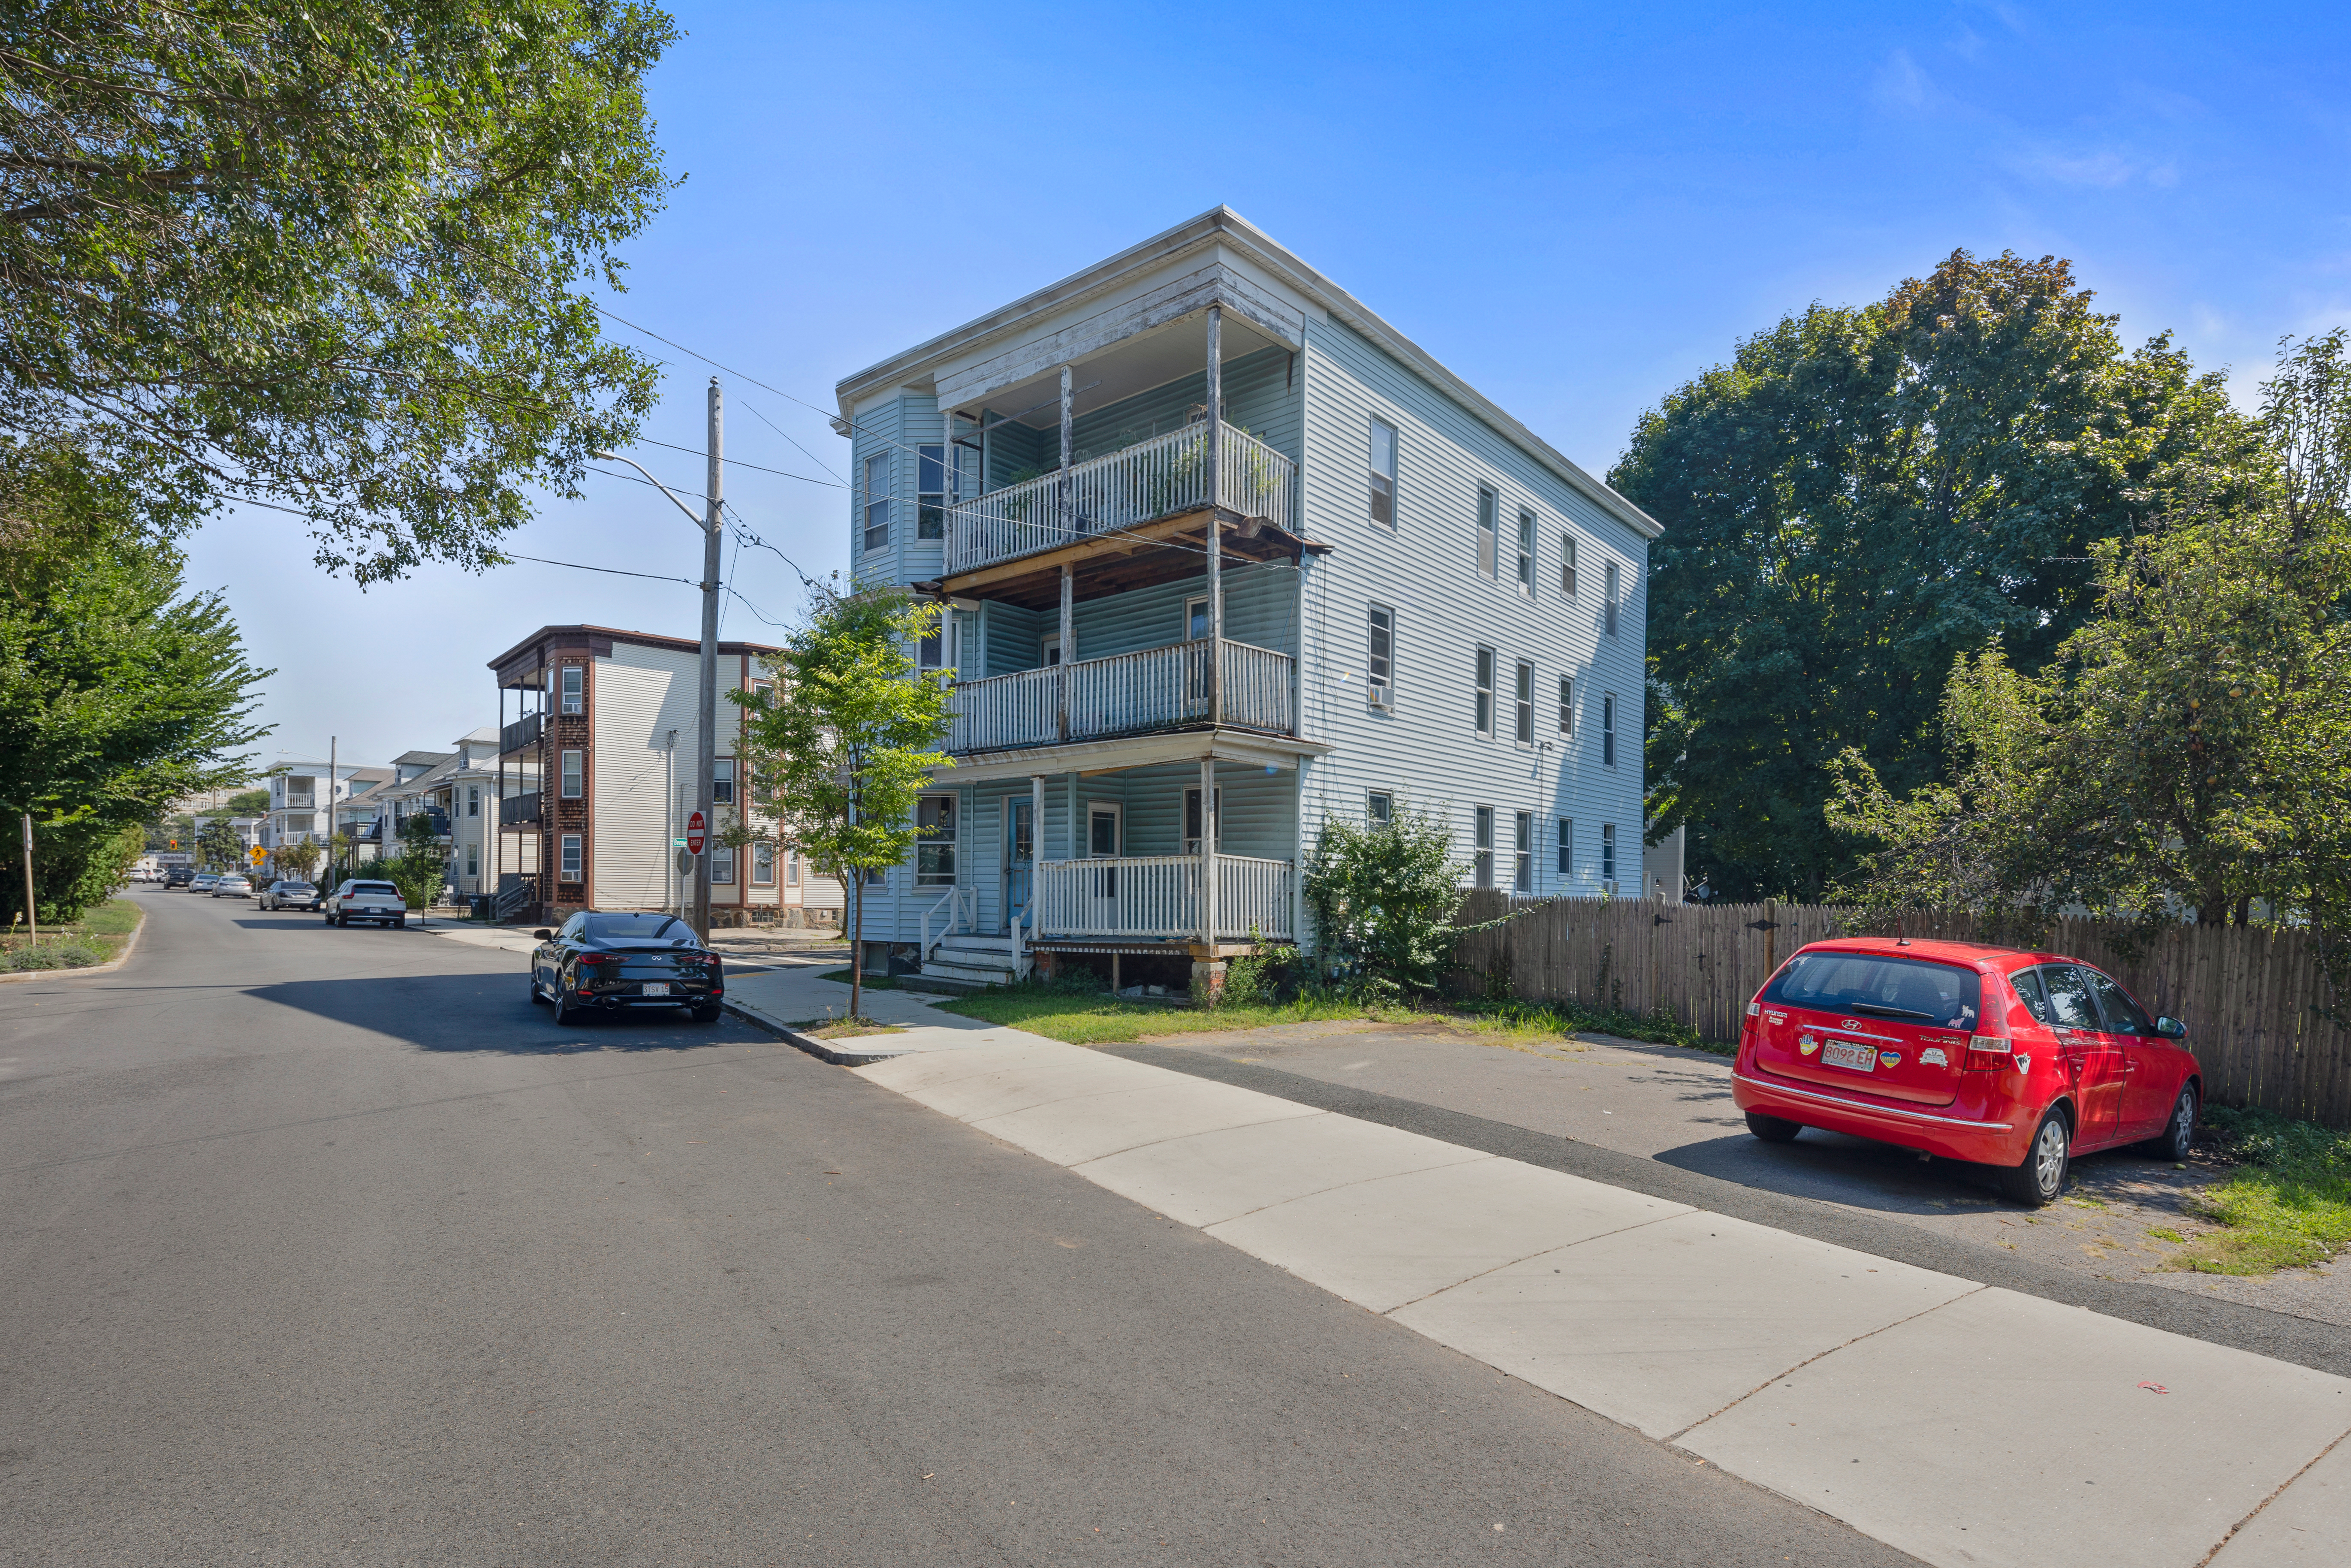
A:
x: 1966, y: 1424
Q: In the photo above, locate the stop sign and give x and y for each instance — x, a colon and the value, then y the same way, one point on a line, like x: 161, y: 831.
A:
x: 694, y: 834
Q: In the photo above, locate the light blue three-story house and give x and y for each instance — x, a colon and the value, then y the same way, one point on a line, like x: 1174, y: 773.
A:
x: 1224, y: 556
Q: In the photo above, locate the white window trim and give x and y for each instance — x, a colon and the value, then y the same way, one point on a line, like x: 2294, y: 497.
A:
x: 1379, y: 693
x: 1117, y: 809
x: 1485, y: 668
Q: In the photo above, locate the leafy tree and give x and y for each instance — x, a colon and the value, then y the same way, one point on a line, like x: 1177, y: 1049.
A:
x: 421, y: 865
x: 326, y: 259
x: 118, y: 694
x: 1862, y: 497
x: 219, y: 845
x: 844, y: 742
x: 1382, y: 897
x: 249, y: 803
x: 298, y: 860
x: 2190, y: 746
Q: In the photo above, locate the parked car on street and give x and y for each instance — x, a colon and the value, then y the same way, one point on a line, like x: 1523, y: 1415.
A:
x: 288, y: 894
x: 357, y: 901
x: 2005, y: 1058
x: 202, y: 881
x: 178, y: 876
x: 233, y: 885
x: 613, y: 963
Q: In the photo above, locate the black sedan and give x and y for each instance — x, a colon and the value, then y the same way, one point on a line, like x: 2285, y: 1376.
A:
x: 611, y: 963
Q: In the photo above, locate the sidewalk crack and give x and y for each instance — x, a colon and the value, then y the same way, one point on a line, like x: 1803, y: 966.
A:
x: 1538, y: 1252
x: 2275, y: 1493
x: 1792, y: 1370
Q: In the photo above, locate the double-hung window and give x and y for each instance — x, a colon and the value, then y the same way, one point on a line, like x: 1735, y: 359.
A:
x: 1488, y: 504
x: 1567, y: 565
x: 570, y: 862
x: 1608, y: 600
x: 473, y: 860
x: 1192, y: 821
x: 1523, y: 707
x: 1566, y: 846
x: 1379, y: 660
x: 574, y: 775
x: 574, y: 684
x: 1485, y: 677
x: 722, y: 782
x: 1608, y: 731
x: 1522, y: 869
x: 1566, y: 704
x: 1379, y: 808
x: 792, y: 869
x: 877, y: 501
x: 1527, y: 554
x: 1608, y: 852
x: 931, y: 492
x: 1383, y: 473
x: 472, y: 800
x: 1484, y: 833
x: 934, y: 850
x: 722, y: 864
x: 763, y: 866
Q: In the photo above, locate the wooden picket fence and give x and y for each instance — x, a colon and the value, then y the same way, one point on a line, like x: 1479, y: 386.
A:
x: 2256, y: 1000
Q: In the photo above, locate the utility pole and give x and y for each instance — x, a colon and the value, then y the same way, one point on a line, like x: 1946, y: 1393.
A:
x: 32, y: 917
x: 706, y: 752
x: 332, y: 794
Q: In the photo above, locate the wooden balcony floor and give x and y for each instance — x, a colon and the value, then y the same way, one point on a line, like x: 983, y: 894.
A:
x: 1164, y: 550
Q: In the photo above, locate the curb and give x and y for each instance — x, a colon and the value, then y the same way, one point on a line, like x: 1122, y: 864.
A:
x: 109, y: 967
x: 815, y: 1048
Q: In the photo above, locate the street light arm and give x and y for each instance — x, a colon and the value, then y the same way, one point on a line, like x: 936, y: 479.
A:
x: 615, y: 457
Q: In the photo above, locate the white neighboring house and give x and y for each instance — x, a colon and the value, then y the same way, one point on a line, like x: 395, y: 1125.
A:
x: 599, y: 779
x: 460, y: 794
x: 303, y: 800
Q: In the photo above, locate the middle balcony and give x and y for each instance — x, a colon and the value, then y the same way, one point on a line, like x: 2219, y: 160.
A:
x: 1176, y: 687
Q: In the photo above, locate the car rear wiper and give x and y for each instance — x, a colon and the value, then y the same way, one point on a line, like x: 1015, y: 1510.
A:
x: 1885, y: 1011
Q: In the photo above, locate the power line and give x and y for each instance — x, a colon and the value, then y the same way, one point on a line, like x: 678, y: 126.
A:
x: 505, y: 556
x: 738, y: 463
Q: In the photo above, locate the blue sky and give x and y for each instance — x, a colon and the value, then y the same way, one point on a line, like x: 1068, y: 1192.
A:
x: 1575, y: 207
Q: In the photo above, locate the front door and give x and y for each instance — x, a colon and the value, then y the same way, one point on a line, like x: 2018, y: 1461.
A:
x: 1105, y: 831
x: 1019, y: 859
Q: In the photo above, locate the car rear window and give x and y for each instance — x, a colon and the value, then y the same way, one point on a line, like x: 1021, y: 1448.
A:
x: 1909, y: 990
x: 384, y: 887
x: 604, y: 927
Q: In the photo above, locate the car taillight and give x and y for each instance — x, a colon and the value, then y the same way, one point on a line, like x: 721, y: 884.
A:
x: 591, y: 959
x: 1989, y: 1053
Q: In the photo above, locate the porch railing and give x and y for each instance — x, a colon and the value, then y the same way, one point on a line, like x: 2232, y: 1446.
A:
x: 1126, y: 693
x: 1157, y: 898
x: 1162, y: 478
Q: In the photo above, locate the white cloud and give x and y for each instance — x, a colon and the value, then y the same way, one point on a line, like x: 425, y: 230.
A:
x: 1900, y: 84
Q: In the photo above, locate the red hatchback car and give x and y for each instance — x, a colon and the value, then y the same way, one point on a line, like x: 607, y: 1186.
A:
x: 2004, y: 1058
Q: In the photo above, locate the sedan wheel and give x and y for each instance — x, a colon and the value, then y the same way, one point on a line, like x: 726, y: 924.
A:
x: 1772, y: 1129
x: 2041, y: 1176
x: 566, y: 1015
x: 2178, y: 1135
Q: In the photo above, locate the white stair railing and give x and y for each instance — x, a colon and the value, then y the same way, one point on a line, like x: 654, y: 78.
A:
x: 959, y: 910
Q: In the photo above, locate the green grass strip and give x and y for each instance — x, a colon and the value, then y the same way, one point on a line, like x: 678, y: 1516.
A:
x: 2287, y: 1203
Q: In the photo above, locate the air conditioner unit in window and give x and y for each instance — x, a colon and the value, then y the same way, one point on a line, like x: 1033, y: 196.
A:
x: 1380, y: 696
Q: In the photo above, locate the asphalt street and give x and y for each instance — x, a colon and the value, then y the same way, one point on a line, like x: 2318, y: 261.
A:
x: 327, y: 1247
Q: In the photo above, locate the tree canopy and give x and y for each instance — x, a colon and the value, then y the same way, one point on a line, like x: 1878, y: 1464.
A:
x: 2187, y: 748
x: 843, y: 745
x: 1864, y: 494
x: 325, y: 259
x: 119, y: 692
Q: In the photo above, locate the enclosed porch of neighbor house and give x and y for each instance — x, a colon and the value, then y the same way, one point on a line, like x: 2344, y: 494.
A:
x: 1111, y: 860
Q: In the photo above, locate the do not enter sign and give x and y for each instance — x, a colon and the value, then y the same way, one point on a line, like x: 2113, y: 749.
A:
x: 694, y: 834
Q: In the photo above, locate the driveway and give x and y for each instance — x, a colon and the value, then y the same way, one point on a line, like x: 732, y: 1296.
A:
x: 1674, y: 1106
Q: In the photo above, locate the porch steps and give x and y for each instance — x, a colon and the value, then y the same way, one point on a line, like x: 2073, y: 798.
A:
x: 970, y: 963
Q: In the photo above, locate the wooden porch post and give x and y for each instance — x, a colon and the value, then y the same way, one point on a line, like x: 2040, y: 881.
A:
x: 1215, y: 545
x: 1036, y: 852
x: 1065, y: 416
x: 1208, y: 853
x: 1069, y: 640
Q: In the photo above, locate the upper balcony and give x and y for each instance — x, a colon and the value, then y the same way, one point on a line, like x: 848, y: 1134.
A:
x: 1174, y: 688
x: 1161, y: 481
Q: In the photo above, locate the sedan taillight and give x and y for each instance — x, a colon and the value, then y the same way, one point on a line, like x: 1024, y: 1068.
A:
x: 591, y: 959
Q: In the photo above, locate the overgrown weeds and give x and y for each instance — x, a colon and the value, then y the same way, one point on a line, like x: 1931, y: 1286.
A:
x: 2287, y: 1203
x: 1657, y: 1028
x: 59, y: 953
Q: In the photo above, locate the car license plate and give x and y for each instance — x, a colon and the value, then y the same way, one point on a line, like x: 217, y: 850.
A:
x: 1839, y: 1053
x: 655, y: 988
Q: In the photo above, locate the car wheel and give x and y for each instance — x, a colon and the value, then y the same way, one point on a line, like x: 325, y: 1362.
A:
x: 704, y: 1015
x: 2037, y: 1179
x: 343, y: 922
x: 2178, y: 1135
x: 566, y: 1014
x: 1772, y: 1129
x: 536, y: 999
